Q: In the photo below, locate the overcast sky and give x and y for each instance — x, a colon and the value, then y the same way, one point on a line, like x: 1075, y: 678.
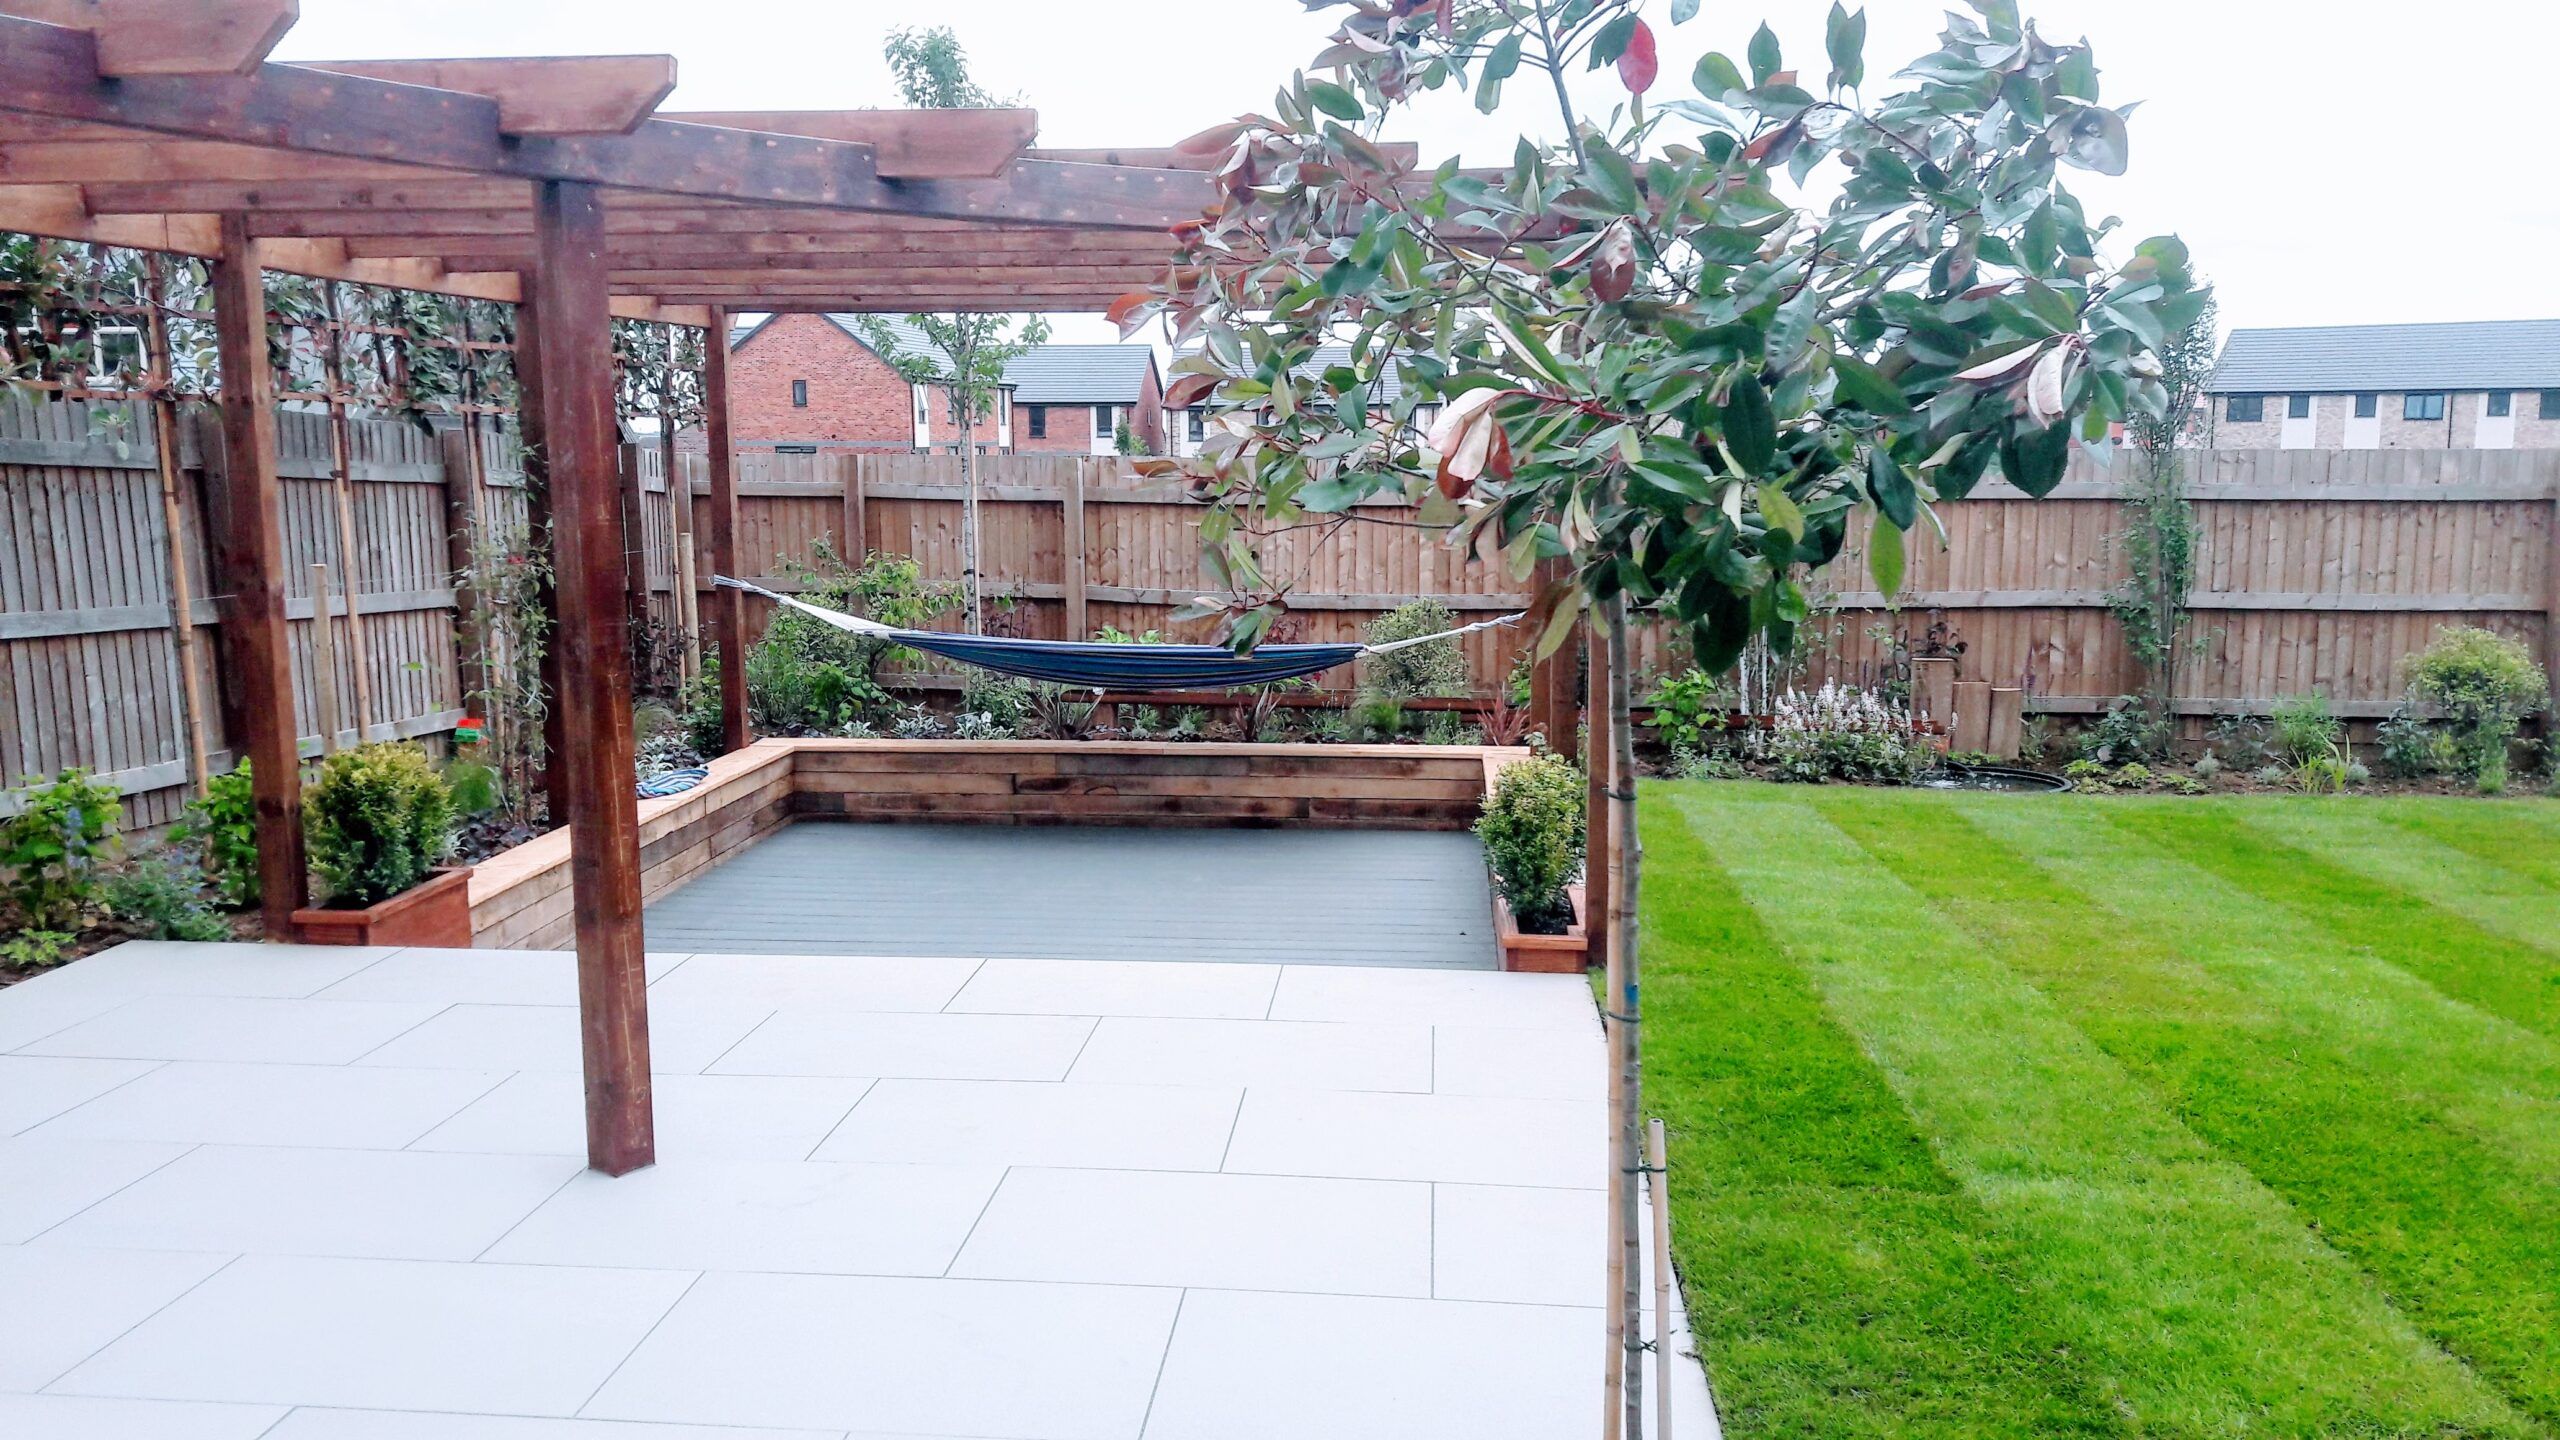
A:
x: 2327, y: 163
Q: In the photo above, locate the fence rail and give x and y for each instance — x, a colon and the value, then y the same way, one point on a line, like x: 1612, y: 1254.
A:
x: 2317, y: 571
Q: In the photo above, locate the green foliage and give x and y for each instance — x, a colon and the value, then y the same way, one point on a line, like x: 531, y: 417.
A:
x: 2409, y: 747
x: 35, y: 949
x: 2486, y: 684
x: 1682, y: 707
x: 1058, y: 712
x: 806, y: 677
x: 2131, y: 776
x: 160, y: 896
x: 1663, y: 367
x: 54, y: 850
x: 2240, y: 741
x: 932, y: 70
x: 474, y: 785
x: 1840, y: 733
x: 2160, y: 534
x: 1377, y: 718
x: 699, y: 708
x: 378, y: 818
x: 2305, y: 730
x: 224, y: 825
x: 1004, y: 700
x: 1436, y: 669
x: 1532, y: 829
x: 2126, y: 730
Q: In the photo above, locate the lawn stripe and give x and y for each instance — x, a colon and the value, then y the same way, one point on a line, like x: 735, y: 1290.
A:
x: 2421, y: 1136
x: 2354, y: 835
x: 1840, y: 1282
x: 2430, y: 941
x: 2518, y: 835
x: 2190, y: 1286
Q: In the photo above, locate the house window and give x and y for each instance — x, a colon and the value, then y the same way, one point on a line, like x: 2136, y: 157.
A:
x: 2365, y: 405
x: 799, y: 394
x: 2502, y: 403
x: 2297, y: 407
x: 1198, y: 422
x: 1036, y: 419
x: 2244, y: 409
x: 1105, y: 422
x: 2422, y: 407
x: 2551, y: 404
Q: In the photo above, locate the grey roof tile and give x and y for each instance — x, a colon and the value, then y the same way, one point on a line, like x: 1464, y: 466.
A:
x: 2469, y: 355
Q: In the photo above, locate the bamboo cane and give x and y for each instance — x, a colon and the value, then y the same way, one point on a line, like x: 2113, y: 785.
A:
x: 324, y: 659
x: 1599, y: 750
x: 177, y: 524
x: 1626, y: 855
x: 1658, y: 1186
x: 342, y: 482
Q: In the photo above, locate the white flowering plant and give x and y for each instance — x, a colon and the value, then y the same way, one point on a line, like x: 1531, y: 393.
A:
x: 1840, y: 732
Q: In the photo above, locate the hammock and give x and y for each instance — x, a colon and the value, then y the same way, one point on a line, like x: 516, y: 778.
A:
x: 1098, y: 665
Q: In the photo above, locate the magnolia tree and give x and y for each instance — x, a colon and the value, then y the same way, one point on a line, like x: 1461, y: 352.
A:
x: 1680, y: 346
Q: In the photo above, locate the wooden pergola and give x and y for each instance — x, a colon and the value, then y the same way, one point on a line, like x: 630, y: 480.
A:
x: 554, y: 183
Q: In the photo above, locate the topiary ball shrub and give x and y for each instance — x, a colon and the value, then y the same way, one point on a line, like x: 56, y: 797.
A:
x: 1532, y: 833
x: 1439, y: 668
x: 378, y: 819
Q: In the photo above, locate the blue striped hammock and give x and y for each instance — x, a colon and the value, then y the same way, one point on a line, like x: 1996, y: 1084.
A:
x: 1099, y: 665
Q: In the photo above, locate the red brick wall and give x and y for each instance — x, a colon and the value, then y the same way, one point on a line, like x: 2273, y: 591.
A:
x: 854, y: 395
x: 1071, y: 426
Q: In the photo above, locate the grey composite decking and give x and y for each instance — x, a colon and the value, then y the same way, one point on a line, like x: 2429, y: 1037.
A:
x: 1339, y: 897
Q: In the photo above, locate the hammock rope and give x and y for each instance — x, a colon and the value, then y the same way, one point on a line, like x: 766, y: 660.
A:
x: 1102, y: 665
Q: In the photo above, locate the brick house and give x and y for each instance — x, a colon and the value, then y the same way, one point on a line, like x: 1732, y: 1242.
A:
x: 2486, y: 385
x: 820, y: 380
x: 807, y: 379
x: 1073, y: 399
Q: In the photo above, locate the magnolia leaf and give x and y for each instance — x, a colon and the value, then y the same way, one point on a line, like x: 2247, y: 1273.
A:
x: 1190, y: 390
x: 2095, y: 140
x: 1864, y: 386
x: 1683, y: 11
x: 1750, y: 430
x: 1792, y: 326
x: 1890, y: 488
x: 1884, y: 557
x: 1639, y: 64
x: 1764, y: 54
x: 1333, y: 100
x: 1780, y: 513
x: 1845, y: 37
x: 1559, y: 621
x: 1715, y: 76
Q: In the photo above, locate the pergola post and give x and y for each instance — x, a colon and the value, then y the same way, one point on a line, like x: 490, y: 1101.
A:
x: 575, y: 362
x: 728, y: 607
x: 250, y: 555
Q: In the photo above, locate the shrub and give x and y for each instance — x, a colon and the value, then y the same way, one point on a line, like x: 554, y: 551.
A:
x: 1058, y: 712
x: 378, y: 818
x: 2207, y: 768
x: 2486, y: 685
x: 918, y: 724
x: 224, y: 827
x: 2305, y: 731
x: 159, y: 896
x: 1439, y: 668
x: 2239, y: 741
x: 2126, y: 732
x: 1005, y: 701
x: 2409, y: 747
x: 36, y: 949
x: 977, y: 725
x: 1377, y: 718
x: 1841, y: 733
x: 52, y: 851
x: 1532, y: 834
x: 1682, y: 706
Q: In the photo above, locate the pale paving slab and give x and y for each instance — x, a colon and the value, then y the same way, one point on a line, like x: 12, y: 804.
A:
x: 1300, y: 1054
x: 83, y: 1417
x: 1434, y: 997
x: 60, y: 1304
x: 1247, y: 1366
x: 35, y: 1088
x: 350, y: 1106
x: 801, y: 984
x: 788, y: 1216
x: 682, y: 1038
x: 1247, y: 1232
x: 45, y: 1181
x: 255, y: 1029
x: 914, y: 1047
x: 699, y: 1117
x: 1474, y: 1139
x: 387, y: 1334
x: 314, y: 1423
x: 951, y: 1357
x: 380, y: 1204
x: 1477, y: 1254
x: 489, y: 977
x: 1558, y: 1063
x: 998, y: 1122
x: 1120, y: 987
x: 172, y: 967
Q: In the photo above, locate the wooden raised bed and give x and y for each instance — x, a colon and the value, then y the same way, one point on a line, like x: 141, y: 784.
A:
x: 436, y: 911
x: 1565, y: 954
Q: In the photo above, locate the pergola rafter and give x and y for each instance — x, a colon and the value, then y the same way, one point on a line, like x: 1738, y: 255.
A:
x: 555, y: 184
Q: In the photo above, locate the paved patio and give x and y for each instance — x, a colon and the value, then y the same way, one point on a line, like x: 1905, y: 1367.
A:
x: 333, y: 1194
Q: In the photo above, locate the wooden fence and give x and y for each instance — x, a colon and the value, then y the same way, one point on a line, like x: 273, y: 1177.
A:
x: 2319, y: 571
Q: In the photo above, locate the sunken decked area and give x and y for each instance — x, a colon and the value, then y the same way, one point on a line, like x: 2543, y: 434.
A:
x: 522, y: 899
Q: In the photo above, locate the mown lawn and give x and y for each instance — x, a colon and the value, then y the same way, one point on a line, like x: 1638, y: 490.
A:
x: 2038, y: 1116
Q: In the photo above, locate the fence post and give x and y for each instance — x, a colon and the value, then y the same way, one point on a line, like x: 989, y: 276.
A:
x: 856, y: 541
x: 324, y: 661
x: 2551, y: 600
x: 1072, y: 549
x: 635, y: 531
x: 462, y: 480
